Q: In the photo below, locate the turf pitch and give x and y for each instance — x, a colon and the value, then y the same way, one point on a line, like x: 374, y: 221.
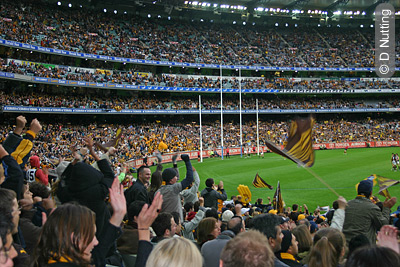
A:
x: 342, y: 172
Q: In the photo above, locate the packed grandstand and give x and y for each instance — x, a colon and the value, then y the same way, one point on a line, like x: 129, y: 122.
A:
x: 174, y: 83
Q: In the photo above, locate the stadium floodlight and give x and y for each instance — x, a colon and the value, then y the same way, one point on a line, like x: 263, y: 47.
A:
x: 186, y: 2
x: 319, y: 25
x: 302, y: 12
x: 80, y: 6
x: 241, y: 7
x: 148, y: 15
x: 337, y: 12
x: 338, y: 25
x: 349, y: 12
x: 361, y: 26
x: 277, y: 24
x: 69, y: 5
x: 169, y: 18
x: 296, y: 11
x: 234, y: 22
x: 244, y: 22
x: 105, y: 10
x: 278, y: 9
x: 286, y: 25
x: 363, y: 13
x: 59, y: 3
x: 159, y: 16
x: 125, y: 12
x: 215, y: 5
x: 253, y: 23
x: 309, y: 11
x: 115, y: 11
x: 372, y: 25
x: 260, y: 9
x: 195, y: 3
x: 212, y: 21
x: 295, y: 25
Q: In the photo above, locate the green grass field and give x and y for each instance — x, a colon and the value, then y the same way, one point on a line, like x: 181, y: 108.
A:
x: 341, y: 172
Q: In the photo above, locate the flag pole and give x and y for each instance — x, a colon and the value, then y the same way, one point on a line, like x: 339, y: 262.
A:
x: 222, y: 120
x: 201, y: 135
x: 240, y: 111
x: 258, y: 138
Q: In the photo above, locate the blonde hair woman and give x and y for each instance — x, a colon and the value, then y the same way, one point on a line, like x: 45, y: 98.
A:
x: 177, y: 252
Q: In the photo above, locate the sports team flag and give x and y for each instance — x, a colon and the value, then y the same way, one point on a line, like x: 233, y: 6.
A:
x: 299, y: 145
x: 277, y: 200
x: 259, y: 182
x: 112, y: 143
x: 383, y: 182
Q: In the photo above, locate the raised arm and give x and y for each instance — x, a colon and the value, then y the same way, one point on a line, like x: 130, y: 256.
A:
x: 189, y: 172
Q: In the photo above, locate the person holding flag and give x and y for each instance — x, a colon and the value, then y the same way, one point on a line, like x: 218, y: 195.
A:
x: 364, y: 217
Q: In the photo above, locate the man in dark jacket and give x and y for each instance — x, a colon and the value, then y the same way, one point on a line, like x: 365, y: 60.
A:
x: 138, y: 191
x: 211, y: 195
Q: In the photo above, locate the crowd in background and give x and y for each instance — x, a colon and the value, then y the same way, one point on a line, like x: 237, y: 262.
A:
x: 86, y: 31
x: 86, y: 98
x: 139, y: 140
x: 170, y: 80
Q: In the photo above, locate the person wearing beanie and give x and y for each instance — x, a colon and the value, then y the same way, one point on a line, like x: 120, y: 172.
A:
x: 171, y: 190
x: 289, y: 250
x: 364, y: 217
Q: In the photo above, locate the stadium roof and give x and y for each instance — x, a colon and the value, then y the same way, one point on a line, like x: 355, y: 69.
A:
x: 294, y: 9
x: 361, y: 5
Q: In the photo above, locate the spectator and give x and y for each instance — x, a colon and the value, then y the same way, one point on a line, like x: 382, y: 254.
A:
x: 164, y: 226
x: 289, y: 249
x: 248, y: 249
x: 171, y: 189
x: 328, y: 249
x: 129, y: 241
x: 373, y: 255
x: 139, y: 191
x: 211, y: 195
x: 178, y: 252
x: 364, y: 217
x: 7, y: 250
x: 304, y: 242
x: 268, y: 224
x: 77, y: 242
x: 208, y: 229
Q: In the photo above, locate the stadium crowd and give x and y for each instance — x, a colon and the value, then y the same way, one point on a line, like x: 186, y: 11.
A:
x: 115, y: 100
x: 172, y: 80
x: 140, y: 140
x: 75, y: 215
x: 86, y: 31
